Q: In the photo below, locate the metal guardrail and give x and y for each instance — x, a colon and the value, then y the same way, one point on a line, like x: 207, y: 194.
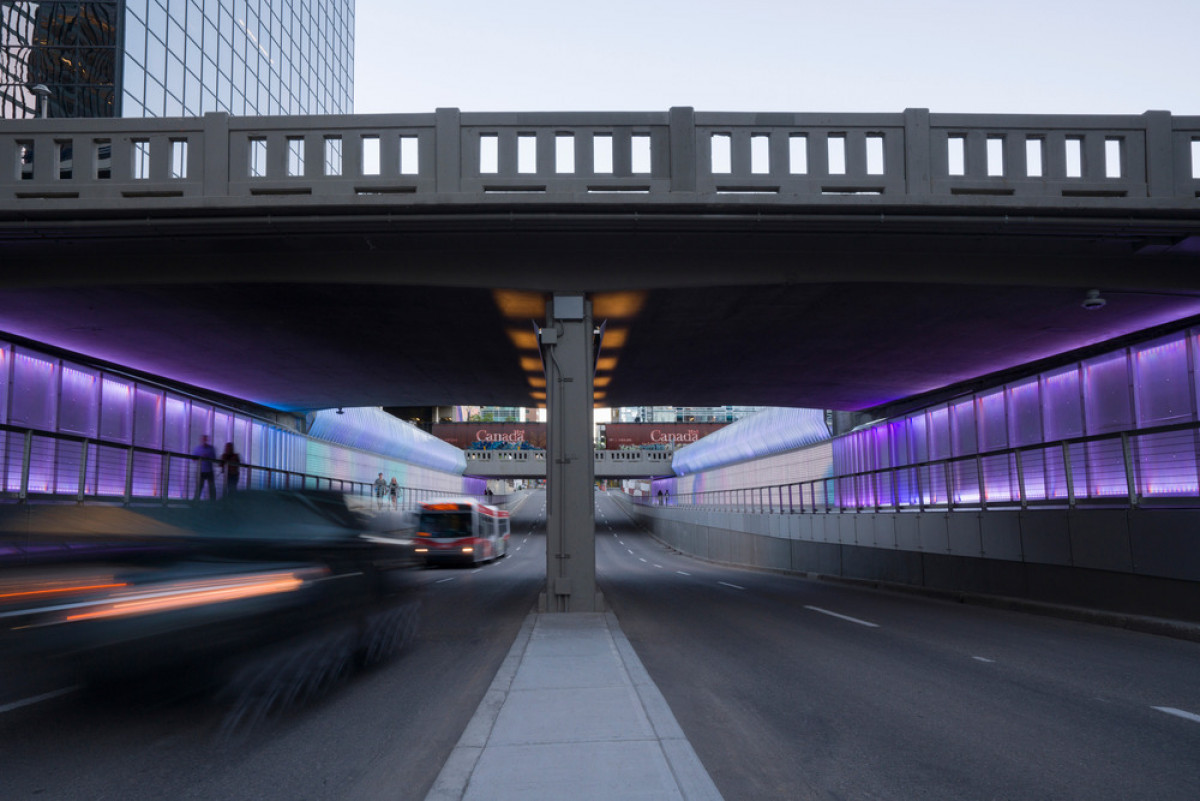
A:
x: 1127, y: 469
x: 678, y: 156
x: 50, y: 466
x: 533, y: 462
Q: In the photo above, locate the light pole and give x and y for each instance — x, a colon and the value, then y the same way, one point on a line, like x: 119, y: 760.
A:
x: 43, y: 92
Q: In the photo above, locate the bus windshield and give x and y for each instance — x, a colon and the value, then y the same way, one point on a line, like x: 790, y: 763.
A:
x: 445, y: 524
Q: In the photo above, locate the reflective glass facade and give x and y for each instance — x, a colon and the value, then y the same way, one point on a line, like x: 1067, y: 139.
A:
x: 70, y: 48
x: 171, y: 58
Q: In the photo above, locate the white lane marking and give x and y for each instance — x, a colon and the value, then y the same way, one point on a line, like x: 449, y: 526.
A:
x: 443, y: 581
x: 1170, y: 710
x: 36, y: 699
x: 680, y: 572
x: 629, y: 551
x: 641, y: 559
x: 843, y: 617
x: 660, y: 567
x: 983, y: 659
x: 727, y: 584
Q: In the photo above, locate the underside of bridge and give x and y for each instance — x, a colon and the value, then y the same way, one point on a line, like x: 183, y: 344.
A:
x: 311, y: 308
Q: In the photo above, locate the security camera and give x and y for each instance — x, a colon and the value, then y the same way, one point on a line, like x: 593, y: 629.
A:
x: 1093, y: 300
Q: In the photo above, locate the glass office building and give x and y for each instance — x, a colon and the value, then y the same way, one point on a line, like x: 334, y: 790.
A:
x: 172, y: 58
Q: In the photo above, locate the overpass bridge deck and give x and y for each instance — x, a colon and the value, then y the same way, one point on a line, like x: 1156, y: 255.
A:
x: 681, y: 158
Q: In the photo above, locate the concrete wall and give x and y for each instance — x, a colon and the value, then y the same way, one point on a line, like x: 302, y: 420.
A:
x: 1135, y: 561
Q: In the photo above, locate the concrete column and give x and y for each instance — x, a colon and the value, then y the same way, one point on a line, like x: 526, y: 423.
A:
x: 568, y: 353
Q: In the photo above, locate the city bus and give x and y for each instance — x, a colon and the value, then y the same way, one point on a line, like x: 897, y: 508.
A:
x: 461, y: 530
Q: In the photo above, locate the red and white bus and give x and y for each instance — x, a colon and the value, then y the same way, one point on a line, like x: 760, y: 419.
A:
x: 461, y: 530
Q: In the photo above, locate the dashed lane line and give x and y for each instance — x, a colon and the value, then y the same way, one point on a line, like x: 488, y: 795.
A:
x: 1179, y: 713
x: 843, y: 617
x: 37, y: 699
x: 727, y: 584
x: 983, y: 659
x: 443, y: 581
x: 680, y: 572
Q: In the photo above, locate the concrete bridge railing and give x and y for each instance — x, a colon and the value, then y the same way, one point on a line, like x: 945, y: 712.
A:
x: 914, y: 157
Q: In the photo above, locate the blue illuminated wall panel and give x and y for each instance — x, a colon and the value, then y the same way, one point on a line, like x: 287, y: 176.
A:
x: 112, y: 412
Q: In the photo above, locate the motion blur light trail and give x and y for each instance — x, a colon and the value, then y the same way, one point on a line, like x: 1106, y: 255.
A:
x: 188, y: 594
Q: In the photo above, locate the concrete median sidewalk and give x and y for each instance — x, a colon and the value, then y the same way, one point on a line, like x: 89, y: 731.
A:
x: 573, y: 714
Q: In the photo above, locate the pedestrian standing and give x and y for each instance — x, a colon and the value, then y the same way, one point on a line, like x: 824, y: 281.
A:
x: 231, y: 466
x: 206, y: 455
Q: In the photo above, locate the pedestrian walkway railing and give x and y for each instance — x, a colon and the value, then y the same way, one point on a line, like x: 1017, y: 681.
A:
x: 598, y: 159
x: 39, y: 465
x: 634, y: 462
x: 1153, y: 466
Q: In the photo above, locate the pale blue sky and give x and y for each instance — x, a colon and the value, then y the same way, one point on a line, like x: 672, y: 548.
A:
x: 1008, y: 56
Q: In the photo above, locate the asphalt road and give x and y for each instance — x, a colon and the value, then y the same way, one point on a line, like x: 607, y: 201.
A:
x: 383, y: 734
x: 790, y: 688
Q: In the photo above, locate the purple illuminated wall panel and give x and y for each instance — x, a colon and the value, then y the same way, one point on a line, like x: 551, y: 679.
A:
x: 1106, y: 402
x: 962, y: 422
x: 175, y: 439
x: 200, y: 425
x: 5, y: 369
x: 148, y: 413
x: 1162, y: 388
x: 965, y: 474
x: 222, y: 429
x: 116, y: 410
x: 1025, y: 413
x: 79, y: 402
x: 938, y: 422
x: 35, y: 391
x: 34, y: 396
x: 992, y: 421
x: 1062, y: 407
x: 5, y: 440
x: 1107, y: 407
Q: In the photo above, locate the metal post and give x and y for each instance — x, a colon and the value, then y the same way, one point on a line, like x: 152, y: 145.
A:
x: 24, y: 493
x: 920, y: 489
x: 568, y: 351
x: 83, y: 459
x: 1066, y: 457
x: 979, y: 481
x: 1130, y: 481
x: 948, y: 478
x: 1021, y: 482
x: 128, y: 475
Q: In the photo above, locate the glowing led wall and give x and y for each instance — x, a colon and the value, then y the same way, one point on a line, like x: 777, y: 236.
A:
x: 1131, y: 389
x: 112, y: 412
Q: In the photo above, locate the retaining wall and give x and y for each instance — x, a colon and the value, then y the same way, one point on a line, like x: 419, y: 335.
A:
x: 1132, y: 561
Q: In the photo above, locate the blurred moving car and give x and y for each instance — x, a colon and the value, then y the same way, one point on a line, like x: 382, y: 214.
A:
x: 269, y: 596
